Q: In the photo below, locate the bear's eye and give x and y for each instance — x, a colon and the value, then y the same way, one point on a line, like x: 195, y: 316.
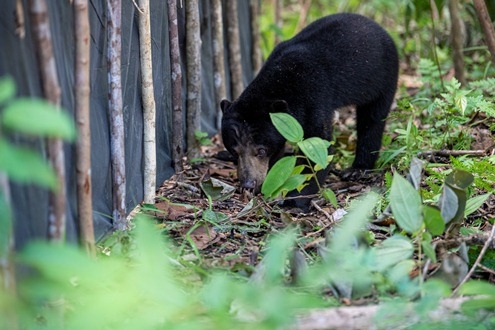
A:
x: 261, y: 152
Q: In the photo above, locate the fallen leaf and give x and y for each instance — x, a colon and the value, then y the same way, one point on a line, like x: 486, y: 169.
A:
x: 203, y: 236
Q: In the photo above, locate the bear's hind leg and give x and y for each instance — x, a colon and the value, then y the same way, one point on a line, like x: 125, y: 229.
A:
x: 370, y: 126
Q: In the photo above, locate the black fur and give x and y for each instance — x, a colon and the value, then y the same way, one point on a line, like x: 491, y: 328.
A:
x: 338, y: 60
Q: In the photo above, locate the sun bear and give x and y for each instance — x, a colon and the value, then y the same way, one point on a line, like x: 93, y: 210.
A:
x: 336, y: 61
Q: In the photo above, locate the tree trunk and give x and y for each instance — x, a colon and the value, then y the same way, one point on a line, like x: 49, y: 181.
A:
x: 20, y: 27
x: 456, y: 35
x: 149, y: 108
x: 218, y: 57
x: 234, y: 48
x: 51, y: 90
x: 277, y: 8
x: 7, y: 266
x: 256, y: 56
x: 177, y: 145
x: 303, y: 17
x: 486, y: 25
x: 114, y: 54
x: 7, y: 273
x: 83, y: 144
x: 193, y: 53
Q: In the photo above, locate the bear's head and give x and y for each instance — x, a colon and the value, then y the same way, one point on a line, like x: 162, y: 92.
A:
x: 249, y: 135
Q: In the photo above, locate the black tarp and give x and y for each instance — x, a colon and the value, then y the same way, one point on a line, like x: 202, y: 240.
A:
x: 18, y: 59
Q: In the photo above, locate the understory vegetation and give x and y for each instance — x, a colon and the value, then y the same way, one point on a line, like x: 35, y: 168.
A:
x: 420, y: 233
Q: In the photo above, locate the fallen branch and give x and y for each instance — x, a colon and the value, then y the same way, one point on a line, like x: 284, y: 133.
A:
x: 447, y: 153
x: 363, y: 317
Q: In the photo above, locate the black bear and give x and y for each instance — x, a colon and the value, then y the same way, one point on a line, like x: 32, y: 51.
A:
x: 336, y: 61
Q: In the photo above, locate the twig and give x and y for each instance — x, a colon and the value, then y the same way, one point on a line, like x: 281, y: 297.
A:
x: 329, y: 217
x: 478, y: 260
x: 137, y: 7
x: 486, y: 269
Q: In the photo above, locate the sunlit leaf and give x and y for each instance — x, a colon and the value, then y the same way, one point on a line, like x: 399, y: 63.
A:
x: 288, y: 126
x: 293, y: 182
x: 278, y: 174
x: 38, y: 117
x: 406, y: 204
x: 316, y: 149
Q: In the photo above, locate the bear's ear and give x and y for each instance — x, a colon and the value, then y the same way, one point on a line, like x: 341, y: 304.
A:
x: 280, y: 106
x: 224, y: 104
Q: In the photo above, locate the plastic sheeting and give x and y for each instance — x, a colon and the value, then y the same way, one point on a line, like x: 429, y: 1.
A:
x: 18, y: 59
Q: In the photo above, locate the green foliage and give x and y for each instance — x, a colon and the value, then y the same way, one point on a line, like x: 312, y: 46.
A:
x: 35, y: 118
x: 285, y: 175
x: 202, y: 138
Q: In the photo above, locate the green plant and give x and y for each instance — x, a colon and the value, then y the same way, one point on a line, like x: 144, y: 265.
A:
x: 287, y: 173
x: 30, y: 117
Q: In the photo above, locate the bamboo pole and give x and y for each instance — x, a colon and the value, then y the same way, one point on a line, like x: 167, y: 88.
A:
x: 51, y: 89
x: 177, y: 144
x: 83, y: 144
x: 114, y: 54
x: 256, y: 56
x: 149, y: 108
x: 234, y: 48
x: 218, y: 56
x: 193, y: 60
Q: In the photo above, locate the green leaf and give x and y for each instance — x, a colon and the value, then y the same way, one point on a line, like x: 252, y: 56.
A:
x: 477, y: 288
x: 278, y: 174
x: 406, y: 204
x: 288, y: 126
x: 475, y: 203
x: 7, y: 89
x: 25, y: 166
x: 433, y: 220
x: 295, y: 181
x: 316, y: 149
x: 448, y: 203
x: 392, y: 251
x: 329, y: 195
x: 459, y: 179
x: 38, y: 117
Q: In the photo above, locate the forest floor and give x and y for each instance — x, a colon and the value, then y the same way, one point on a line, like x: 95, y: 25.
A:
x: 228, y: 230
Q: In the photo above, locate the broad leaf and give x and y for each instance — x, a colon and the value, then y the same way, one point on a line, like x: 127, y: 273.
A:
x: 295, y: 181
x: 288, y: 126
x: 392, y: 251
x: 278, y: 174
x: 448, y: 204
x: 433, y: 220
x: 316, y: 149
x: 459, y: 179
x: 406, y: 204
x: 38, y: 117
x: 25, y: 166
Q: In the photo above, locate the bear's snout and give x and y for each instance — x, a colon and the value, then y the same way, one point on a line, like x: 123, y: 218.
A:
x: 249, y: 184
